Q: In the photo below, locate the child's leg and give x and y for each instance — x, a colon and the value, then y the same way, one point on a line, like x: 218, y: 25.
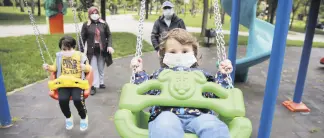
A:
x: 79, y: 102
x: 64, y: 101
x: 166, y: 125
x: 208, y: 126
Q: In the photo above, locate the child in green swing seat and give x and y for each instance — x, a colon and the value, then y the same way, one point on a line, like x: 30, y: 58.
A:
x: 174, y: 122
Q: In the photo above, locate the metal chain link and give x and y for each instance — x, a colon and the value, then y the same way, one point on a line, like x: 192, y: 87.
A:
x: 139, y: 44
x: 37, y: 34
x: 220, y: 43
x: 77, y: 29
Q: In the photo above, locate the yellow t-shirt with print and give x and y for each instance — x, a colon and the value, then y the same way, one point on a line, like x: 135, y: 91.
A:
x: 71, y: 65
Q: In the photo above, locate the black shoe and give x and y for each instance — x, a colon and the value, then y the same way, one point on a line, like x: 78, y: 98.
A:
x: 93, y: 91
x: 102, y: 86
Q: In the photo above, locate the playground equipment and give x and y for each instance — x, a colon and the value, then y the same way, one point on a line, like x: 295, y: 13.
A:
x: 296, y: 105
x: 55, y: 11
x: 131, y: 121
x: 260, y: 36
x: 5, y: 117
x: 63, y: 81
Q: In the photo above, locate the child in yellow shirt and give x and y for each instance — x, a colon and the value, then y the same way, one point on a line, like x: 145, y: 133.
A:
x: 70, y: 63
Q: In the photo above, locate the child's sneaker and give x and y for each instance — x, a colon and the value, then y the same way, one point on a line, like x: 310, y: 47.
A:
x: 84, y: 124
x: 69, y: 123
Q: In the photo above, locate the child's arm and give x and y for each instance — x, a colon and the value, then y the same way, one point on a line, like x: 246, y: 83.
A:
x: 222, y: 79
x: 50, y: 68
x: 142, y: 76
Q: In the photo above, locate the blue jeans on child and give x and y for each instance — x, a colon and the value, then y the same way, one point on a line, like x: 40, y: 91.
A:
x: 169, y: 125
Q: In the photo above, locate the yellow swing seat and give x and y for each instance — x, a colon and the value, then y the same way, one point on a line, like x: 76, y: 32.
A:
x: 65, y: 81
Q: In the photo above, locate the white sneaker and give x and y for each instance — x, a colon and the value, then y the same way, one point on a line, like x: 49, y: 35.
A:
x: 69, y: 123
x: 84, y: 124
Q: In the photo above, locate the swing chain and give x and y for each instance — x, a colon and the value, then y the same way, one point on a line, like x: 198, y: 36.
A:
x: 37, y: 34
x: 139, y: 43
x: 220, y: 43
x: 77, y: 29
x: 219, y: 33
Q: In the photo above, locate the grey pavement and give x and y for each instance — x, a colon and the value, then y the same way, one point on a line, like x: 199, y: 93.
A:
x: 40, y: 116
x: 121, y: 23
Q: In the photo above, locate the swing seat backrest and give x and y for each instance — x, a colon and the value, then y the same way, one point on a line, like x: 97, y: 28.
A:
x: 180, y: 89
x: 183, y: 89
x: 88, y: 79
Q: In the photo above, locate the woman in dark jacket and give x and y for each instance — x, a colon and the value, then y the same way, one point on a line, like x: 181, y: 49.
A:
x: 96, y: 33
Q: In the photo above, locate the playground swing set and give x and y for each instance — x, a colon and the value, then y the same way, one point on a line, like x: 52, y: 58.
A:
x: 131, y: 121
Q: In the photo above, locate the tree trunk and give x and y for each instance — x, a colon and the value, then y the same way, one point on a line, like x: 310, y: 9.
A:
x: 273, y: 10
x: 223, y: 16
x: 7, y: 3
x: 21, y: 5
x: 103, y: 9
x: 151, y: 7
x: 292, y: 20
x: 157, y: 5
x: 193, y: 8
x: 146, y: 9
x: 39, y: 8
x: 32, y: 5
x: 205, y: 18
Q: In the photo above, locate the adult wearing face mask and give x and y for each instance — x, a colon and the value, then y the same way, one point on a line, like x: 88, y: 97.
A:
x: 96, y: 33
x: 165, y: 23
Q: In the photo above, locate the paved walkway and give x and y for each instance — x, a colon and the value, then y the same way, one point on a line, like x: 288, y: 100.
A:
x: 121, y: 23
x: 39, y: 115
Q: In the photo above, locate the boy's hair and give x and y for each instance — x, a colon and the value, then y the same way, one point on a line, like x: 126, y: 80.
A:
x: 67, y: 42
x: 184, y: 38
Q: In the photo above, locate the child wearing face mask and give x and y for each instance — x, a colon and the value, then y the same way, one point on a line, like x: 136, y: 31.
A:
x: 70, y: 63
x: 178, y: 52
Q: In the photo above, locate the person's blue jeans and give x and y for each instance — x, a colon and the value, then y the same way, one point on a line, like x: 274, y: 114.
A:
x: 169, y: 125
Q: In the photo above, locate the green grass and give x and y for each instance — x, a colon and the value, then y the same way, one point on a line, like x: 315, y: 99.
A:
x: 22, y: 64
x: 298, y: 26
x: 243, y: 40
x: 196, y: 21
x: 13, y: 16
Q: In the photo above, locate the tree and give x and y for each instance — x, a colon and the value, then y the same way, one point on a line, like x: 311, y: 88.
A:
x: 39, y: 8
x: 193, y: 8
x: 21, y: 5
x: 272, y: 10
x: 296, y: 6
x: 205, y: 18
x: 147, y: 2
x: 7, y: 3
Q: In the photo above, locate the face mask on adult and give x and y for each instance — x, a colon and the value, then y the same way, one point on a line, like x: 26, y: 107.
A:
x: 94, y: 17
x: 168, y: 13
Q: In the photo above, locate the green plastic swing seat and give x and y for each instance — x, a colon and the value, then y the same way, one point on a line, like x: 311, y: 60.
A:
x: 183, y: 89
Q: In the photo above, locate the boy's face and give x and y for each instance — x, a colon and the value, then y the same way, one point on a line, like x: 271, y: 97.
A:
x: 173, y: 46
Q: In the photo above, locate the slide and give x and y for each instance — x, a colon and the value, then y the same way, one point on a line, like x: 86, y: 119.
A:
x: 260, y: 37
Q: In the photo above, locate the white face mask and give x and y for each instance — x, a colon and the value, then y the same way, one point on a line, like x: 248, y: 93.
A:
x: 168, y: 13
x: 94, y: 17
x: 185, y: 60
